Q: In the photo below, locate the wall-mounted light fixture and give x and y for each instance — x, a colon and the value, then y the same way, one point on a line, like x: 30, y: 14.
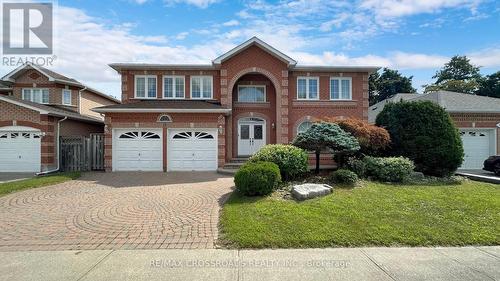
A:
x: 273, y: 125
x: 221, y: 130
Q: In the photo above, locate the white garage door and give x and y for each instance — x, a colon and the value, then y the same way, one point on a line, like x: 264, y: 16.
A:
x: 477, y: 147
x: 137, y: 150
x: 192, y: 150
x: 19, y: 151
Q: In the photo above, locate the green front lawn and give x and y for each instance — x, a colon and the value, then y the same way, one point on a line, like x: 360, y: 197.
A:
x: 35, y: 182
x: 374, y: 215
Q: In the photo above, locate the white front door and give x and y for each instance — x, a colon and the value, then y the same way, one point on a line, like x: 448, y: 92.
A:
x: 137, y: 150
x: 251, y: 136
x: 20, y: 151
x: 192, y: 150
x: 478, y: 146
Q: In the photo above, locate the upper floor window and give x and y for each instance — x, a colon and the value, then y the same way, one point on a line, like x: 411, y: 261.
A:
x: 340, y: 88
x: 201, y: 87
x: 145, y: 86
x: 36, y: 95
x: 66, y: 97
x: 173, y: 87
x: 307, y: 88
x: 251, y: 93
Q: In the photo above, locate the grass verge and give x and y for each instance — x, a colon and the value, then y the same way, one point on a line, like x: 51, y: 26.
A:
x: 374, y: 215
x: 9, y: 187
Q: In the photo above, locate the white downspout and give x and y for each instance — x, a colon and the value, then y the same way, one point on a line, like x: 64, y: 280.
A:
x: 57, y: 149
x: 80, y: 99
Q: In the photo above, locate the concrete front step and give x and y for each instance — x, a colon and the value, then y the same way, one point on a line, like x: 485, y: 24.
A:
x: 225, y: 171
x: 238, y: 160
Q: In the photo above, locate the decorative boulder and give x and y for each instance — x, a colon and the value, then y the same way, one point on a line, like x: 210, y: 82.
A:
x: 310, y: 190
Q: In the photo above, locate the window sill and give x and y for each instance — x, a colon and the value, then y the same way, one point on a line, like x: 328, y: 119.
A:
x: 252, y: 104
x: 324, y: 103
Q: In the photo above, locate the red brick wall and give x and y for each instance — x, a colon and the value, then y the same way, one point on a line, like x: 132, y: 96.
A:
x: 14, y: 115
x: 77, y: 128
x: 128, y: 82
x: 149, y: 120
x: 34, y: 79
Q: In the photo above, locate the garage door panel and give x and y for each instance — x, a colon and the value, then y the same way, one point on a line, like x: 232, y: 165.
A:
x: 477, y: 145
x: 20, y: 151
x: 137, y: 150
x: 192, y: 150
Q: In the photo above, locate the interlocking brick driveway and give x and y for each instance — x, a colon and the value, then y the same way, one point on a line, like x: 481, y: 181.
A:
x: 116, y: 211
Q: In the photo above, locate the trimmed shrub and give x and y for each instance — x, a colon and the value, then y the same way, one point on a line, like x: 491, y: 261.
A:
x: 257, y: 178
x: 291, y: 160
x: 343, y: 176
x: 424, y: 132
x: 358, y: 166
x: 388, y: 169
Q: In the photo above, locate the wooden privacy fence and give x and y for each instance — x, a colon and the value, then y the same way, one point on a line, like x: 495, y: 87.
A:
x: 82, y: 153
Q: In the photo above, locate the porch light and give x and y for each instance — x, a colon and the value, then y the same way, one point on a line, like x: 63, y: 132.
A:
x: 273, y: 125
x: 221, y: 130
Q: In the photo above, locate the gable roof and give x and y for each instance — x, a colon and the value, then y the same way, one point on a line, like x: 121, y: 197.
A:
x: 251, y: 42
x: 50, y: 110
x: 53, y: 77
x: 460, y: 102
x: 452, y: 102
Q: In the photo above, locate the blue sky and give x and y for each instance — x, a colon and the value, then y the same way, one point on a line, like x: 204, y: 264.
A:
x: 416, y: 37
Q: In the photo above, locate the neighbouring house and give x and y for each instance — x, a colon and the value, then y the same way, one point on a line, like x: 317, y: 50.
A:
x: 477, y: 117
x: 37, y: 106
x: 200, y: 117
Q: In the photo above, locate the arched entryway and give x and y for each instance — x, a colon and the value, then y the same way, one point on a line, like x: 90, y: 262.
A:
x: 254, y: 99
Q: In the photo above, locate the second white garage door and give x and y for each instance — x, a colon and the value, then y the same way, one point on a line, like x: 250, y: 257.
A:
x: 478, y: 146
x: 137, y: 150
x: 192, y: 150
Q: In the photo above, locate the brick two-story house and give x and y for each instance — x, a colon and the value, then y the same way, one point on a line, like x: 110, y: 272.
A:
x: 37, y: 106
x: 199, y: 117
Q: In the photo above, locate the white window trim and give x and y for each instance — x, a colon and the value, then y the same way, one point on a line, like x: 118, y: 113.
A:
x: 146, y: 86
x: 340, y: 88
x: 70, y: 96
x: 173, y: 87
x: 256, y: 86
x: 307, y: 87
x: 31, y: 94
x: 301, y: 123
x: 201, y: 87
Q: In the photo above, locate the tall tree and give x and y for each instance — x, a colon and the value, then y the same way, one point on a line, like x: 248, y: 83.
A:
x: 388, y: 84
x: 490, y: 85
x: 457, y: 75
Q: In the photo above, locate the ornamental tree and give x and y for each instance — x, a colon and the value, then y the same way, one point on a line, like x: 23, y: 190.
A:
x: 326, y: 136
x: 371, y: 138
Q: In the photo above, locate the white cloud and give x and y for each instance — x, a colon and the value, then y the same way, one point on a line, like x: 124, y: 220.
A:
x: 198, y: 3
x: 181, y: 35
x: 400, y: 8
x: 140, y: 2
x: 231, y: 23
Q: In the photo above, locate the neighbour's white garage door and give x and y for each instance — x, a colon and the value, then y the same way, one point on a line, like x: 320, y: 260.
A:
x: 192, y: 150
x: 19, y: 151
x: 137, y: 150
x: 477, y: 147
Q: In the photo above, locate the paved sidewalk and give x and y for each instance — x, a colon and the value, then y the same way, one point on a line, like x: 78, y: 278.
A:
x: 468, y: 263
